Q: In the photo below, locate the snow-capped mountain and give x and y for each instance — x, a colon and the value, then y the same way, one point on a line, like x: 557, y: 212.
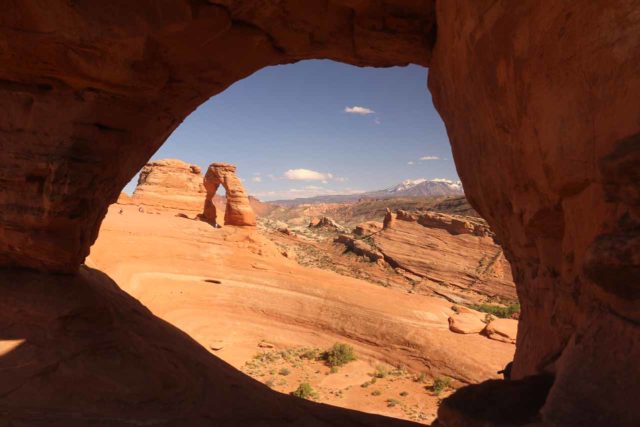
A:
x: 405, y: 185
x: 420, y: 188
x: 407, y: 188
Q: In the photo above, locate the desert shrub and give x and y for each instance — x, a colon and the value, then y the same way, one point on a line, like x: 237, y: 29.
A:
x: 401, y: 370
x: 269, y: 383
x: 404, y: 393
x: 376, y: 393
x: 339, y: 354
x: 497, y: 310
x: 334, y: 369
x: 421, y: 378
x: 392, y: 402
x: 310, y: 354
x: 284, y: 372
x: 440, y: 384
x: 380, y: 372
x: 305, y: 391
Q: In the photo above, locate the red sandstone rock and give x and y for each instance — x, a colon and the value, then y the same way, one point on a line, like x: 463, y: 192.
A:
x: 170, y: 184
x: 368, y: 228
x: 389, y: 219
x: 124, y: 199
x: 504, y: 330
x: 464, y: 266
x: 548, y: 154
x: 539, y: 100
x: 238, y: 210
x: 466, y: 323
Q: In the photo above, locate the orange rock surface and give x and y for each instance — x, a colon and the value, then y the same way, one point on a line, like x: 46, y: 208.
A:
x: 539, y: 100
x: 170, y: 184
x: 238, y: 209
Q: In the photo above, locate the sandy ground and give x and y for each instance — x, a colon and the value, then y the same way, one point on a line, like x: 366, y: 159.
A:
x: 233, y: 291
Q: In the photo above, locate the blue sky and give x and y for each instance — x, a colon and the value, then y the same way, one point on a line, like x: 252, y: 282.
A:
x: 318, y: 127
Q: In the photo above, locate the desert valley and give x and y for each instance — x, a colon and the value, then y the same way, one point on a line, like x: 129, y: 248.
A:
x: 319, y: 213
x: 409, y: 291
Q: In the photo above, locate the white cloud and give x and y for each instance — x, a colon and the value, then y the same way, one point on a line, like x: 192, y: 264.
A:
x: 410, y: 163
x: 256, y: 179
x: 358, y: 110
x: 306, y: 175
x: 429, y: 158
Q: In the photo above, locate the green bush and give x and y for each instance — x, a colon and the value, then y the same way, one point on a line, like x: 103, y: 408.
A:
x: 497, y: 310
x: 392, y: 402
x: 381, y: 371
x: 440, y: 384
x: 284, y: 372
x: 305, y: 391
x: 422, y: 378
x: 339, y: 354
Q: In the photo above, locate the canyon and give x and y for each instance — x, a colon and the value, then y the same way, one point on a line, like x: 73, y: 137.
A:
x: 540, y: 105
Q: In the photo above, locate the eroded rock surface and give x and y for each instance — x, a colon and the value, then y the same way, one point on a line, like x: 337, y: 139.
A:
x: 539, y: 100
x: 170, y: 184
x: 454, y: 255
x: 546, y: 157
x: 238, y: 209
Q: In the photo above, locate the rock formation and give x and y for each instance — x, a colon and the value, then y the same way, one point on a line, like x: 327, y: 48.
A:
x: 170, y: 184
x: 451, y: 255
x: 238, y: 209
x: 539, y: 100
x: 326, y: 223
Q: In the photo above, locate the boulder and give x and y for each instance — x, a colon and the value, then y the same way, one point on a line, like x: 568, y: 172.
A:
x: 466, y: 323
x: 505, y: 330
x: 368, y: 228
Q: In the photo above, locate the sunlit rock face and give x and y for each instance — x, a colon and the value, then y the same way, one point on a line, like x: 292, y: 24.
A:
x: 539, y: 99
x: 170, y: 184
x: 238, y: 209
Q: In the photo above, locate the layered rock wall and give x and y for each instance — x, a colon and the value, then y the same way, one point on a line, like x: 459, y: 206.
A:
x: 170, y: 185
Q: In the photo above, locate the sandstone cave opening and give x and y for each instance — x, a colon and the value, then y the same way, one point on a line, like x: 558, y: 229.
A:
x: 545, y: 142
x: 416, y: 243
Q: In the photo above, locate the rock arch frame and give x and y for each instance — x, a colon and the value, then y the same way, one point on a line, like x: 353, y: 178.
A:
x: 539, y: 100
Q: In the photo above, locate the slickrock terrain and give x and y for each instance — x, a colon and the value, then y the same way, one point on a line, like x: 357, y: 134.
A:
x: 540, y: 104
x: 238, y: 209
x: 430, y: 253
x: 454, y: 256
x: 231, y: 289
